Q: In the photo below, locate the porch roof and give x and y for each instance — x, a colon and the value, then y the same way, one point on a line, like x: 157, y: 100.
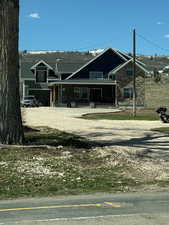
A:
x: 83, y: 82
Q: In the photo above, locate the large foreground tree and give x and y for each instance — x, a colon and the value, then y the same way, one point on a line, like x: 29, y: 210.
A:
x: 11, y: 131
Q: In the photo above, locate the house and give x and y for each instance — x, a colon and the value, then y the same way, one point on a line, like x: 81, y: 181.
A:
x: 39, y: 68
x: 74, y: 78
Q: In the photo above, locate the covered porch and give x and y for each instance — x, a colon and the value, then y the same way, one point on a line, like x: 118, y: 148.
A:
x: 77, y: 93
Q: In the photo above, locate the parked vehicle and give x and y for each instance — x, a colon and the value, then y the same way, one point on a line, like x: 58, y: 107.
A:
x: 162, y: 114
x: 30, y: 101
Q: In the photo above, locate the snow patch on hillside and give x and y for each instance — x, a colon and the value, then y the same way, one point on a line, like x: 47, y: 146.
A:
x: 96, y: 51
x: 42, y: 52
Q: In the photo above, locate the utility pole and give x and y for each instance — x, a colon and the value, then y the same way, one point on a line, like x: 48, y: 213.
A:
x: 134, y: 73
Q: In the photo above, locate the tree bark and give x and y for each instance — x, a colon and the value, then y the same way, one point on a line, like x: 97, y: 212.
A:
x: 11, y: 131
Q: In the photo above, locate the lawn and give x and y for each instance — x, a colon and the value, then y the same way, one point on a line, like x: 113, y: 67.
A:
x: 55, y: 162
x: 144, y: 114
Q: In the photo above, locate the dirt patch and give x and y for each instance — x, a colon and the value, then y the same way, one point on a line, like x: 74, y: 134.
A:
x: 132, y: 142
x: 126, y: 134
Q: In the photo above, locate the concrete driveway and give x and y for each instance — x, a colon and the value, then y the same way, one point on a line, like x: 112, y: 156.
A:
x: 133, y: 135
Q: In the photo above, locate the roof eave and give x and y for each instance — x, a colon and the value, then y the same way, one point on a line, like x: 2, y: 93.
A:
x: 82, y: 83
x: 41, y: 61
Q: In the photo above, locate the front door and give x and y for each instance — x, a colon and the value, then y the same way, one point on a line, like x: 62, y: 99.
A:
x: 95, y: 94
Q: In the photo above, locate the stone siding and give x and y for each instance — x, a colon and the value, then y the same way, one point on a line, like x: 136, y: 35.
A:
x: 126, y: 81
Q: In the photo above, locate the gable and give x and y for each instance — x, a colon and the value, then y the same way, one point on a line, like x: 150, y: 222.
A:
x: 130, y: 62
x: 105, y: 62
x: 41, y: 63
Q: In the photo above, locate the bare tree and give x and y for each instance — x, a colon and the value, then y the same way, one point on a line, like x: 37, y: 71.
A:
x: 11, y: 131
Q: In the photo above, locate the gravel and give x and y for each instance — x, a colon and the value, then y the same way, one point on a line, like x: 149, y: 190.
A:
x: 125, y: 135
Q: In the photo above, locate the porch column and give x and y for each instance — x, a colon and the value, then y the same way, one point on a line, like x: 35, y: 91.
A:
x: 59, y: 94
x: 54, y: 95
x: 116, y: 95
x: 51, y: 96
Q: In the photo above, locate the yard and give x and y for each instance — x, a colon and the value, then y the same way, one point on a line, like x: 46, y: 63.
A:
x: 142, y: 114
x: 114, y: 156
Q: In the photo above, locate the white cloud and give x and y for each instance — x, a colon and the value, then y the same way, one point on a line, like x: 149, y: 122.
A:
x: 166, y: 36
x: 160, y: 23
x: 34, y: 15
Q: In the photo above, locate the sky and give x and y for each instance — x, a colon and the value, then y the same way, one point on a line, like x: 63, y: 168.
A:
x: 82, y: 25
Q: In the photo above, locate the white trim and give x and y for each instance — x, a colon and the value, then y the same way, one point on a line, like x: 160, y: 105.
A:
x: 120, y: 66
x: 41, y: 61
x: 127, y: 56
x: 94, y: 60
x: 23, y: 90
x: 124, y: 64
x: 130, y: 57
x: 53, y: 79
x: 118, y: 53
x: 39, y: 89
x: 29, y: 79
x: 81, y: 83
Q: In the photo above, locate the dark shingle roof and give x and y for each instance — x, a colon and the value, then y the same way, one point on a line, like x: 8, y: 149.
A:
x: 67, y: 62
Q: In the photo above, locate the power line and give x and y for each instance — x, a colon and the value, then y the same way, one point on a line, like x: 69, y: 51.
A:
x: 152, y: 43
x: 95, y: 45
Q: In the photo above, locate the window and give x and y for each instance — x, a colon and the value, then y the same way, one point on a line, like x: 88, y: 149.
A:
x: 41, y: 73
x: 41, y: 76
x: 81, y: 92
x: 129, y: 71
x: 128, y: 93
x: 96, y: 75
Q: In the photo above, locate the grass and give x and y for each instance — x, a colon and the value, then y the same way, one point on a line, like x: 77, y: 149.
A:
x: 162, y: 130
x: 72, y: 165
x: 69, y: 166
x: 156, y: 94
x: 25, y: 172
x: 147, y: 114
x: 45, y: 173
x: 54, y: 137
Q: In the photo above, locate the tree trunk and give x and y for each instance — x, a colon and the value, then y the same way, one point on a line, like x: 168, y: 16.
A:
x: 11, y: 131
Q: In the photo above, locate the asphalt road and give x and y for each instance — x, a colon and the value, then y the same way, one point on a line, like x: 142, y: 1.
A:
x: 97, y: 209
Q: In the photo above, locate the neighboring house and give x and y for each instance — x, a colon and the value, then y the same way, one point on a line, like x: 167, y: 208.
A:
x: 73, y: 78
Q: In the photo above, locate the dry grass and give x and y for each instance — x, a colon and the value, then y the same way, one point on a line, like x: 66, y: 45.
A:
x: 64, y: 169
x: 156, y: 94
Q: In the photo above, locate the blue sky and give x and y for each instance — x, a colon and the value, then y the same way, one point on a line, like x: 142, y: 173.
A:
x: 81, y: 25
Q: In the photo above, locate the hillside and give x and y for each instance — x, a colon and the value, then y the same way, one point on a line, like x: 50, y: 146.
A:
x: 157, y: 94
x: 154, y: 62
